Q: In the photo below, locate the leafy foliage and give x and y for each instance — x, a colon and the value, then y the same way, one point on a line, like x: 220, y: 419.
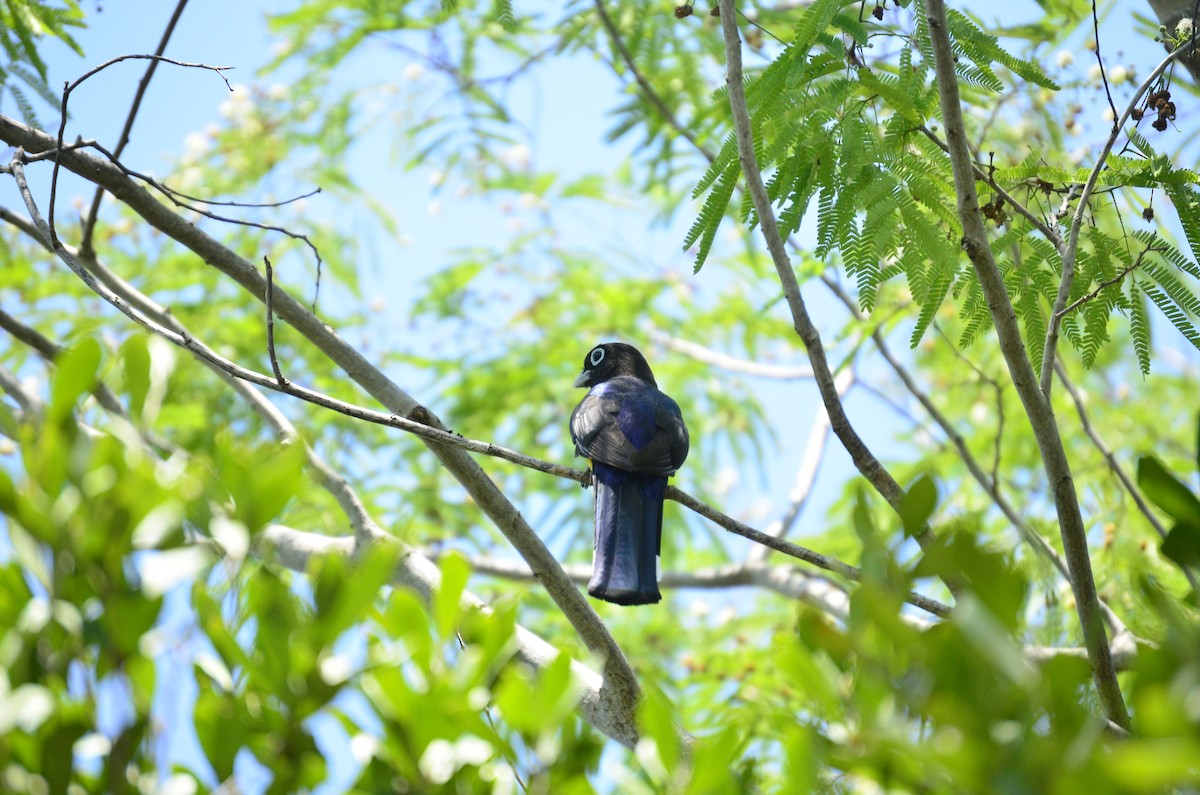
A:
x: 138, y: 562
x: 22, y: 23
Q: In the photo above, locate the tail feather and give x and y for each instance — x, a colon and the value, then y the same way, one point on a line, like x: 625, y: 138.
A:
x: 629, y: 509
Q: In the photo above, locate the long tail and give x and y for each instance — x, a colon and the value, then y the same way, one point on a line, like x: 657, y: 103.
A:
x: 629, y: 509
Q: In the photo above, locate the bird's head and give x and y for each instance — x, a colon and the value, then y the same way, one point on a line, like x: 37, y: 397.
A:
x: 611, y: 359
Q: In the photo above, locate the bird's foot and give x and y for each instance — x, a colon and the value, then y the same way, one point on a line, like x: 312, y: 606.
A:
x: 587, y: 479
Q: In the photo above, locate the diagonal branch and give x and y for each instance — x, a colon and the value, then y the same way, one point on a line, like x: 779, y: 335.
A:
x: 294, y: 548
x: 806, y: 474
x: 1102, y: 286
x: 1039, y: 223
x: 89, y: 222
x: 485, y: 493
x: 158, y: 321
x: 864, y: 460
x: 1069, y: 249
x: 1035, y: 401
x: 1113, y: 464
x: 648, y: 90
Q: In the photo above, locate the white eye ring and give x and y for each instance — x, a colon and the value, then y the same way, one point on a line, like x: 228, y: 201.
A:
x: 596, y: 356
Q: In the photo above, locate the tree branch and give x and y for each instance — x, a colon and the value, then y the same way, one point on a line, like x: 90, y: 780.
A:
x: 1035, y: 401
x: 864, y: 460
x: 1118, y: 470
x: 1070, y: 248
x: 28, y: 402
x: 89, y: 221
x: 779, y: 372
x: 806, y: 474
x: 1039, y: 224
x: 1091, y: 296
x: 619, y: 674
x: 648, y: 90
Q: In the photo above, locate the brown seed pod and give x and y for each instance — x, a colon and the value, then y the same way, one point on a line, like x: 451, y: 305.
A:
x: 682, y: 12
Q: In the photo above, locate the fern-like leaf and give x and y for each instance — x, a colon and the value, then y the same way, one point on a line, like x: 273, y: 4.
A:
x: 1139, y: 326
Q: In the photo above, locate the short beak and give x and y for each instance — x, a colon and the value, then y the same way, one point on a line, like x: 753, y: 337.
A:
x: 584, y: 379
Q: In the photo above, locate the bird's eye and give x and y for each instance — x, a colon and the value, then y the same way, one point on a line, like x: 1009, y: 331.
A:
x: 596, y: 356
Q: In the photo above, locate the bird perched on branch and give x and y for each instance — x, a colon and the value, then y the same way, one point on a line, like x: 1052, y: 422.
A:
x: 634, y: 437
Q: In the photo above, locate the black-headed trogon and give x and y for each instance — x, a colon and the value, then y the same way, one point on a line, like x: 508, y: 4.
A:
x: 635, y: 437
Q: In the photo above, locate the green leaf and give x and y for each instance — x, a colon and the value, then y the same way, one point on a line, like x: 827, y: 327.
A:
x: 1182, y: 543
x: 918, y: 505
x: 75, y: 372
x: 446, y: 600
x: 261, y: 482
x: 135, y: 354
x: 344, y: 591
x: 1167, y: 491
x: 221, y: 728
x: 656, y: 719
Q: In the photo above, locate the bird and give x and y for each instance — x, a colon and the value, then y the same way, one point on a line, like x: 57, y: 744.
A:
x: 634, y: 436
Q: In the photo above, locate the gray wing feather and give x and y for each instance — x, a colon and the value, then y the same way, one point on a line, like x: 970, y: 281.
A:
x: 597, y: 436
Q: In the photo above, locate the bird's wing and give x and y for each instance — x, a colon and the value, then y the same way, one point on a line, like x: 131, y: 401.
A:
x: 631, y: 426
x: 596, y: 433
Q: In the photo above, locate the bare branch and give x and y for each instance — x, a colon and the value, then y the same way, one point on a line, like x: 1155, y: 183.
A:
x: 700, y: 353
x: 1069, y: 249
x: 1104, y: 285
x: 69, y: 87
x: 1035, y: 401
x: 648, y: 90
x: 806, y: 474
x: 1118, y: 470
x: 271, y: 324
x: 29, y: 403
x: 864, y: 460
x: 619, y: 675
x: 89, y: 222
x: 786, y: 580
x: 1039, y: 223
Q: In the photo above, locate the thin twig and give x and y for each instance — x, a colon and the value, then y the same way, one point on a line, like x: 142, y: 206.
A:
x: 29, y: 403
x: 1104, y: 285
x: 271, y: 324
x: 651, y: 95
x: 182, y: 199
x: 89, y: 223
x: 1100, y: 60
x: 1038, y: 223
x: 69, y: 87
x: 1068, y: 251
x: 1113, y: 464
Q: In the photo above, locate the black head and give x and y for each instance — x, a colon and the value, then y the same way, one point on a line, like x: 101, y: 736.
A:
x: 611, y: 359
